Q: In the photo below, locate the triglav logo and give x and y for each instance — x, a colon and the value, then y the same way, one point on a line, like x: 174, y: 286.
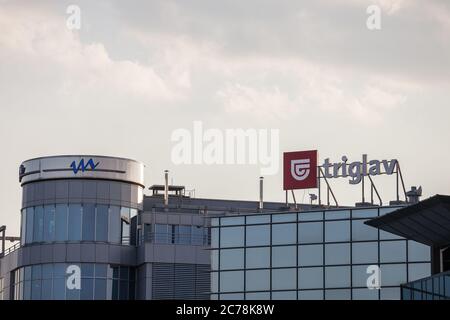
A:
x: 300, y: 169
x: 83, y: 166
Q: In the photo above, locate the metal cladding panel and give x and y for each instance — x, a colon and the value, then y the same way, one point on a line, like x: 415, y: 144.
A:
x: 82, y: 166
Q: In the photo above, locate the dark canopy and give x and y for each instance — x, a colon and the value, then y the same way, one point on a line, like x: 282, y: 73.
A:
x: 427, y: 222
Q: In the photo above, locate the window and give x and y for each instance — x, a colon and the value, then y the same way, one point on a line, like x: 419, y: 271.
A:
x: 393, y: 274
x: 361, y: 231
x: 257, y: 280
x: 418, y: 271
x: 418, y: 251
x: 88, y: 231
x: 101, y: 224
x: 114, y: 235
x: 74, y: 222
x: 38, y: 229
x: 365, y: 252
x: 232, y: 237
x: 30, y: 224
x: 311, y: 232
x: 284, y: 233
x: 310, y: 295
x: 49, y: 223
x: 285, y: 256
x: 23, y: 226
x: 337, y: 254
x: 283, y: 279
x: 360, y: 276
x: 162, y: 233
x: 336, y: 231
x: 183, y: 235
x: 232, y: 281
x: 337, y: 277
x: 339, y: 294
x: 393, y: 251
x: 231, y: 259
x: 61, y: 222
x: 258, y: 235
x: 310, y: 255
x: 257, y: 257
x: 198, y: 235
x: 310, y: 278
x: 284, y: 295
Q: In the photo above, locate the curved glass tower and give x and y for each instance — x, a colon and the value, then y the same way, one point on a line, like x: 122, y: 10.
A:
x: 76, y: 229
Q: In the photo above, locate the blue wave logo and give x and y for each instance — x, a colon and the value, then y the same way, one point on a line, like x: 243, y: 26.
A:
x: 82, y: 166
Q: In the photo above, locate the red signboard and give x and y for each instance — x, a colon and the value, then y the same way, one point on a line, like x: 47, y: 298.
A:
x: 300, y: 170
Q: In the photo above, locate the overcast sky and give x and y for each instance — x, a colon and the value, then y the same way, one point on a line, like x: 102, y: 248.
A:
x: 137, y: 70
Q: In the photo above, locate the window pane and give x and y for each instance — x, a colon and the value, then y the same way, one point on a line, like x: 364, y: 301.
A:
x: 49, y: 223
x: 360, y: 231
x: 231, y: 281
x: 284, y: 217
x: 360, y: 276
x: 284, y: 256
x: 88, y: 222
x: 310, y: 295
x: 114, y: 225
x: 390, y: 293
x: 61, y: 222
x: 365, y: 252
x: 30, y: 225
x: 284, y: 233
x: 418, y: 251
x: 228, y: 221
x: 59, y: 289
x: 337, y: 294
x: 418, y: 271
x: 257, y: 296
x: 87, y: 289
x: 310, y: 255
x: 393, y: 251
x: 197, y: 235
x: 47, y: 289
x: 100, y: 289
x: 310, y: 216
x: 257, y: 280
x: 364, y: 213
x: 258, y: 257
x: 337, y: 231
x: 183, y: 235
x: 339, y: 214
x: 75, y: 222
x: 283, y: 279
x: 393, y: 274
x: 337, y: 253
x: 36, y: 289
x: 310, y: 278
x: 284, y: 295
x: 101, y: 232
x: 337, y: 277
x: 38, y: 224
x: 232, y: 237
x: 258, y: 235
x: 258, y: 219
x: 232, y: 259
x: 311, y: 232
x: 23, y: 228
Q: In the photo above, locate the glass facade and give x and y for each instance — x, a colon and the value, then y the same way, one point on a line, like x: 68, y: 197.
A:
x: 311, y: 255
x: 76, y: 222
x: 98, y: 282
x: 436, y: 287
x: 177, y: 234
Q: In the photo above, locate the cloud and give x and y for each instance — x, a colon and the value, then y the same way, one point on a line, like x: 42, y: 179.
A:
x: 42, y: 37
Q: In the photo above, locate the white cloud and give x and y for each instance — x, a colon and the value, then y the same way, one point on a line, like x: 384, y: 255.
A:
x: 43, y: 38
